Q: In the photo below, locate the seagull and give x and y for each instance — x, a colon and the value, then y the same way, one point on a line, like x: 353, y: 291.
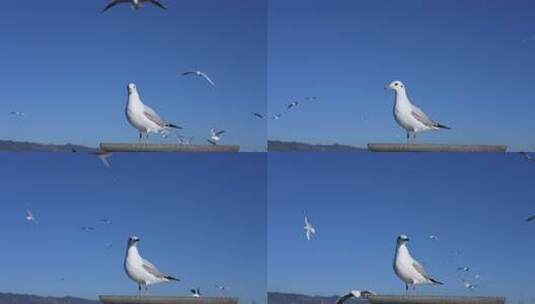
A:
x: 196, y: 293
x: 106, y: 221
x: 464, y: 268
x: 87, y: 228
x: 136, y: 4
x: 311, y: 98
x: 409, y: 116
x: 259, y: 115
x: 468, y: 285
x: 309, y: 229
x: 433, y: 237
x: 355, y: 294
x: 142, y: 117
x: 221, y: 287
x: 215, y: 136
x: 530, y: 219
x: 408, y: 269
x: 276, y: 116
x: 141, y: 271
x: 293, y: 104
x: 103, y: 156
x: 199, y: 74
x: 30, y: 217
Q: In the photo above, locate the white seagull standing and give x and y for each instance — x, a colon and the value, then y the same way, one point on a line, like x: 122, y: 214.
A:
x: 408, y: 116
x: 199, y: 74
x: 141, y: 271
x: 355, y: 294
x: 136, y: 4
x: 407, y: 268
x: 309, y: 229
x: 142, y: 117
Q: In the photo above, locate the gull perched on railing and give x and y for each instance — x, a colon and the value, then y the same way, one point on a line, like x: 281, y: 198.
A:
x: 142, y: 117
x: 408, y: 116
x: 141, y: 271
x: 407, y: 268
x: 136, y: 4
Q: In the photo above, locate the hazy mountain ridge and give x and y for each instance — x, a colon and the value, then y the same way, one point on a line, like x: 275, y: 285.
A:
x: 11, y: 298
x: 22, y: 146
x: 283, y: 146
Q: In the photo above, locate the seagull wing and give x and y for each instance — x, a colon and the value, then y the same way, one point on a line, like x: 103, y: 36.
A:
x: 112, y: 4
x: 154, y: 117
x: 420, y: 269
x: 148, y: 266
x: 419, y: 115
x: 188, y: 73
x: 212, y: 142
x: 219, y: 132
x: 207, y: 78
x: 344, y: 298
x: 158, y: 4
x: 29, y: 213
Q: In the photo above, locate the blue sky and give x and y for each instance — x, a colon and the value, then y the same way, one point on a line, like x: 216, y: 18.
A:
x: 66, y: 66
x: 475, y: 204
x: 200, y: 217
x: 463, y: 63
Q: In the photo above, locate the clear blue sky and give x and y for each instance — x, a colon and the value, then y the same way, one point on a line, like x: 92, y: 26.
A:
x: 67, y: 67
x: 463, y: 63
x: 359, y: 205
x: 200, y: 217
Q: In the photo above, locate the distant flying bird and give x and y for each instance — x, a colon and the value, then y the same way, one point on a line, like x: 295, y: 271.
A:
x: 355, y: 294
x: 199, y: 74
x: 215, y: 136
x: 17, y: 113
x: 309, y: 229
x: 30, y: 217
x: 433, y: 237
x: 468, y: 285
x: 87, y: 228
x: 276, y: 116
x: 196, y: 293
x: 141, y: 271
x: 311, y: 98
x: 530, y: 219
x: 293, y: 104
x: 144, y: 118
x: 221, y: 287
x: 103, y: 157
x: 106, y: 221
x: 407, y: 268
x: 408, y: 116
x: 258, y: 115
x: 136, y: 4
x: 464, y: 268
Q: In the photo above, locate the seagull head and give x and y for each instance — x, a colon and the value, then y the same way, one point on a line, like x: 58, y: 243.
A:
x: 133, y: 240
x: 131, y: 88
x: 395, y: 85
x: 402, y: 239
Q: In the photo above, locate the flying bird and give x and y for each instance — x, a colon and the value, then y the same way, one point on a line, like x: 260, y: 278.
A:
x: 355, y: 294
x: 196, y: 293
x: 407, y: 268
x: 433, y: 237
x: 311, y: 98
x: 136, y: 4
x: 141, y: 271
x: 199, y: 74
x: 530, y: 219
x: 215, y: 136
x: 144, y: 118
x: 293, y: 104
x: 408, y: 116
x: 276, y: 116
x: 468, y: 285
x: 87, y: 228
x: 309, y: 229
x: 17, y: 113
x: 106, y: 221
x: 258, y: 115
x: 30, y: 217
x: 221, y: 287
x: 463, y: 268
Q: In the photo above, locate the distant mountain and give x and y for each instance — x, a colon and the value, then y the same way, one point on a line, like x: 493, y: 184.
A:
x: 292, y: 298
x: 19, y: 146
x: 284, y: 146
x: 10, y: 298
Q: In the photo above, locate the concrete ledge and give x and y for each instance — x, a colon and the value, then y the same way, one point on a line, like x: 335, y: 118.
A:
x: 393, y: 299
x: 128, y: 147
x: 394, y: 147
x: 107, y: 299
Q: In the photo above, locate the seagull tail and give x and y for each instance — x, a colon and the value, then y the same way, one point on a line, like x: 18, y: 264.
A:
x: 435, y: 281
x: 174, y: 126
x: 170, y: 278
x: 441, y: 126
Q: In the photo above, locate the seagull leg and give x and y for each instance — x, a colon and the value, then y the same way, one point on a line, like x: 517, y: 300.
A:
x: 139, y: 289
x: 140, y: 141
x: 408, y: 137
x: 406, y: 288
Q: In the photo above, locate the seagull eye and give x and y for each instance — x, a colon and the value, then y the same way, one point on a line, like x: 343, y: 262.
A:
x: 396, y: 84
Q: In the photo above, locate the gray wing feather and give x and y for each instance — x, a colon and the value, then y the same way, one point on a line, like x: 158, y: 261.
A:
x: 421, y: 116
x: 420, y: 269
x: 154, y: 117
x: 148, y: 266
